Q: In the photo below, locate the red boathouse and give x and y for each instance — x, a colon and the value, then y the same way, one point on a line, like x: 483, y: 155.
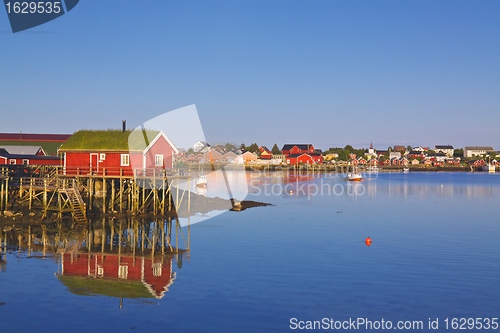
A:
x: 304, y: 159
x: 293, y: 149
x: 115, y: 152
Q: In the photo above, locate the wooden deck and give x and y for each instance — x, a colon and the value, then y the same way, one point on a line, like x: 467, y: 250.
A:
x: 145, y: 192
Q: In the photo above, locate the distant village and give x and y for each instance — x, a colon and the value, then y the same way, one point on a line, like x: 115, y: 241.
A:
x: 99, y: 150
x: 307, y: 154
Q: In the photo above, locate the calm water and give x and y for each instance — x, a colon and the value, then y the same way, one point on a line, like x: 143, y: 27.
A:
x: 435, y: 254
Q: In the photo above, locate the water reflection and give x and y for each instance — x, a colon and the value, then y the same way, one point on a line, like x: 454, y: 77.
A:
x: 3, y: 260
x: 124, y: 258
x: 420, y: 186
x: 307, y: 184
x: 123, y: 276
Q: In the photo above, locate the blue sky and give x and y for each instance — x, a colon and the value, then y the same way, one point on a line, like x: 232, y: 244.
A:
x: 327, y: 72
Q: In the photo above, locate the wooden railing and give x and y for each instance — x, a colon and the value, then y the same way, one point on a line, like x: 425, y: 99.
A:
x: 125, y: 172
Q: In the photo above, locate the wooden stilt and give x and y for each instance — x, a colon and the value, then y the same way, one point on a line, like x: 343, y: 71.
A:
x: 121, y: 195
x: 112, y: 208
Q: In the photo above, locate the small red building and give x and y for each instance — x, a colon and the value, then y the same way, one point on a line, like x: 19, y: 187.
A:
x: 361, y: 160
x: 265, y: 153
x: 401, y: 149
x: 294, y: 149
x: 49, y: 142
x: 416, y: 154
x: 25, y: 159
x: 304, y: 159
x: 116, y: 152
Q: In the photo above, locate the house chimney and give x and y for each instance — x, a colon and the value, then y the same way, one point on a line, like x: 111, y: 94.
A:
x: 124, y: 125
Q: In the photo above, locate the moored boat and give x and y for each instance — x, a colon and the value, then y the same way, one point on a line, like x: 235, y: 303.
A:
x: 489, y: 167
x: 202, y: 181
x: 354, y: 177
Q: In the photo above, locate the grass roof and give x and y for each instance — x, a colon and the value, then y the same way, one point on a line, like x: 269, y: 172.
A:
x: 113, y: 288
x: 116, y: 140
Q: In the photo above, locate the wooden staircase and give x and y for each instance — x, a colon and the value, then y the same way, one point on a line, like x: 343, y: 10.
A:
x: 76, y: 202
x: 50, y: 173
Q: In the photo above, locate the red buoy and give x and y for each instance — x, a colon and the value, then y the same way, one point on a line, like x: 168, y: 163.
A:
x: 368, y: 241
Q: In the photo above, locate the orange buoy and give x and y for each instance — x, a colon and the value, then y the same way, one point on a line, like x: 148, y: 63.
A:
x: 368, y: 241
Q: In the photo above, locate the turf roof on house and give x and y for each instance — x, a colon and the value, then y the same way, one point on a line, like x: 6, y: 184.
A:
x: 108, y: 287
x: 106, y: 140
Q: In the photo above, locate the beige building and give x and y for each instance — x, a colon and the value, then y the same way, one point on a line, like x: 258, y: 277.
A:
x: 472, y: 151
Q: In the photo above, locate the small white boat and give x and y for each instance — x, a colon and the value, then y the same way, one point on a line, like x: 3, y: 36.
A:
x: 201, y: 181
x: 406, y: 169
x: 200, y: 190
x: 354, y: 177
x: 489, y: 167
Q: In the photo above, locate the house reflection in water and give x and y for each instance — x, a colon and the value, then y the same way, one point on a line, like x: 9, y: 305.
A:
x: 116, y: 275
x: 123, y: 258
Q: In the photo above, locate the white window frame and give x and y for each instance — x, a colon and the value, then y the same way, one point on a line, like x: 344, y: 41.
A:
x: 100, y: 271
x: 125, y: 160
x: 123, y: 272
x: 157, y: 269
x: 12, y: 161
x: 102, y: 156
x: 159, y: 160
x: 26, y: 161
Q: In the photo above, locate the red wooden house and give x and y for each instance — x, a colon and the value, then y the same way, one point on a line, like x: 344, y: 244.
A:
x: 25, y: 159
x: 396, y: 161
x: 49, y: 142
x: 294, y: 149
x: 361, y: 160
x: 115, y: 152
x: 121, y: 275
x: 304, y: 159
x: 265, y: 153
x: 416, y: 154
x: 401, y: 149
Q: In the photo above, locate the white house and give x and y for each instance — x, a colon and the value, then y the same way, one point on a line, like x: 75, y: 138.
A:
x: 199, y: 146
x: 245, y: 158
x: 448, y: 150
x: 420, y: 148
x: 394, y: 155
x: 471, y: 151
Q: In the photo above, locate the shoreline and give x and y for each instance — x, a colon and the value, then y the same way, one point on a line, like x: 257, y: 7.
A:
x: 362, y: 169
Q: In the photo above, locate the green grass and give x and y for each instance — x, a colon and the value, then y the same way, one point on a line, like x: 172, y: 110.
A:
x: 113, y: 288
x: 116, y: 140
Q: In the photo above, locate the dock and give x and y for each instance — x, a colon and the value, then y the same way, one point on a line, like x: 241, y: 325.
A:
x: 56, y: 194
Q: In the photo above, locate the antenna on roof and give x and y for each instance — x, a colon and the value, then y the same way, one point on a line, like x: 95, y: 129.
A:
x: 124, y: 125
